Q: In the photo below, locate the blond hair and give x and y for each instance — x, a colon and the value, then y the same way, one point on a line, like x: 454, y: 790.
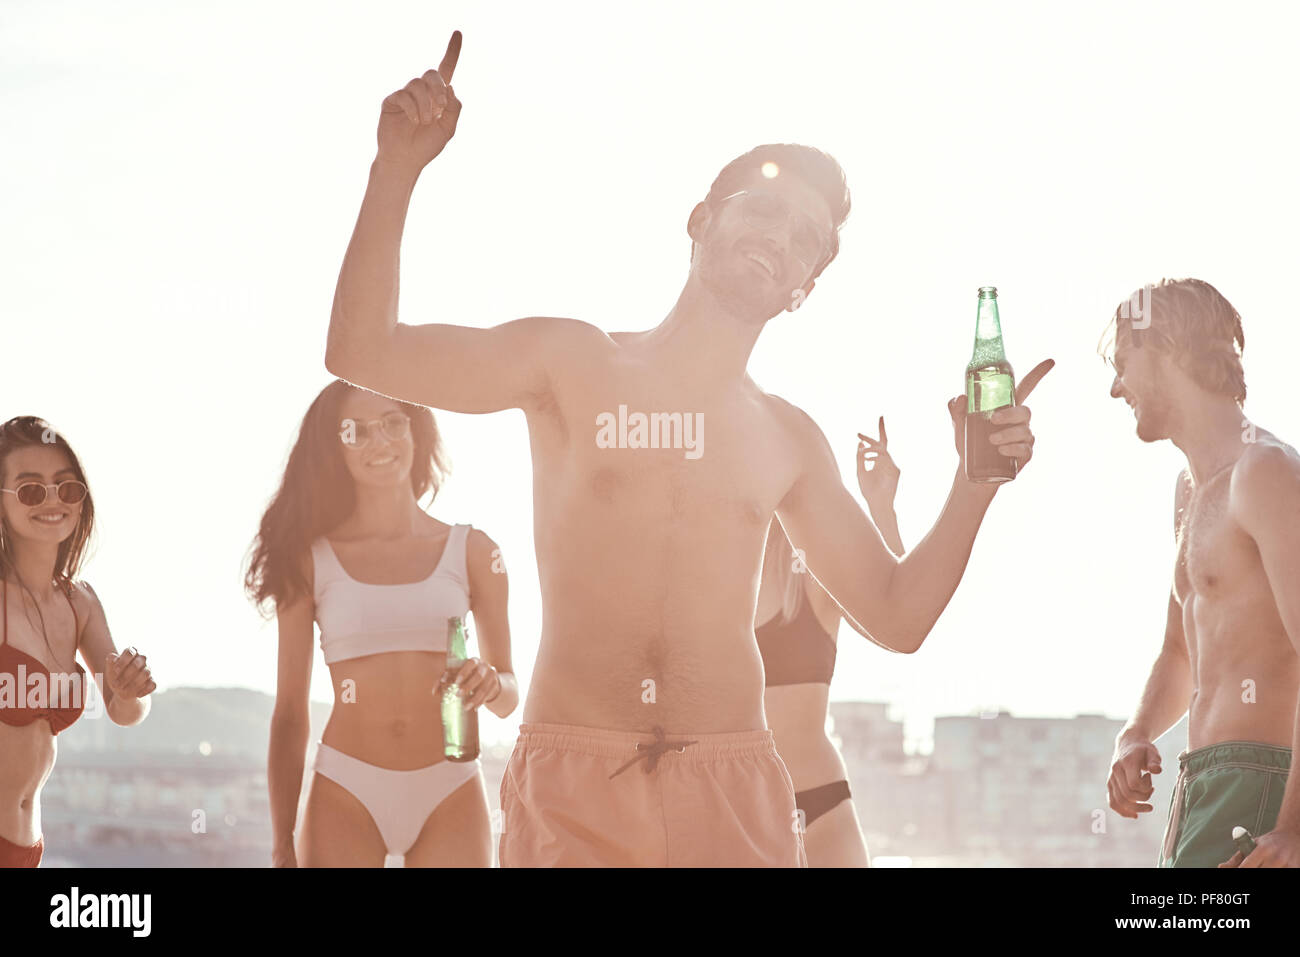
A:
x: 1192, y: 322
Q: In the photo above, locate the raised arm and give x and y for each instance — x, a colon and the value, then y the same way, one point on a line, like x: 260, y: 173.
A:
x: 845, y: 553
x: 458, y: 368
x: 896, y: 603
x: 879, y: 484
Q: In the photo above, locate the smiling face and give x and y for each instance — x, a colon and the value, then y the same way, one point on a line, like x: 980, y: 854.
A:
x: 1142, y: 380
x: 53, y: 520
x: 375, y: 458
x: 749, y: 245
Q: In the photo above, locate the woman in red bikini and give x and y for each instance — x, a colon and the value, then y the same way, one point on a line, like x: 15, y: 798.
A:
x: 797, y: 638
x: 46, y: 516
x: 346, y: 545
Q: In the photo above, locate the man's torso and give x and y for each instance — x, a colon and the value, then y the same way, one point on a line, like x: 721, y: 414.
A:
x: 1244, y: 668
x: 649, y: 558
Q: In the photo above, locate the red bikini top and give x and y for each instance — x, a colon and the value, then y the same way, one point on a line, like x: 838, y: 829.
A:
x: 17, y: 686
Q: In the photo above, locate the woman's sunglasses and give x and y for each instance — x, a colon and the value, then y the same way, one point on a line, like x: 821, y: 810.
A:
x: 31, y: 494
x: 355, y: 434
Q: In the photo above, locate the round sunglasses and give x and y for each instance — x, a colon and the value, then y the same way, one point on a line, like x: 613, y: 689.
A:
x: 31, y: 494
x: 356, y: 434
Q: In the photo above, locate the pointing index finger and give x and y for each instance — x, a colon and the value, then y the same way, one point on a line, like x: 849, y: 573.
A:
x: 448, y: 65
x: 1035, y: 376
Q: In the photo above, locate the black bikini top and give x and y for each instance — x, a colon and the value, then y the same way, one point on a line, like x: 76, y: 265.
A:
x: 796, y: 651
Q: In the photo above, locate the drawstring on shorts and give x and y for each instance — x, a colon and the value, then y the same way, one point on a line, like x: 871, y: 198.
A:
x: 652, y: 751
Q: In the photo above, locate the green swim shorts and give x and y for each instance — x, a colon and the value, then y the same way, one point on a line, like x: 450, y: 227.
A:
x: 1220, y: 787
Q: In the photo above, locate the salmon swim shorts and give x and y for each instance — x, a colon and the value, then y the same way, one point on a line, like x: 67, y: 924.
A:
x: 583, y: 797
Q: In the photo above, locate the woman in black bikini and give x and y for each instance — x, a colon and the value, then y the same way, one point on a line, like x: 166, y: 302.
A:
x: 797, y: 640
x: 46, y: 517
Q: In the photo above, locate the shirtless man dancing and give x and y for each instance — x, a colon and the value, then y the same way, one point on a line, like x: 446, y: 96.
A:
x: 1233, y: 632
x: 644, y: 740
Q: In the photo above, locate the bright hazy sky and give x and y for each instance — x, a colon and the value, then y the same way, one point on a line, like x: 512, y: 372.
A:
x: 179, y: 183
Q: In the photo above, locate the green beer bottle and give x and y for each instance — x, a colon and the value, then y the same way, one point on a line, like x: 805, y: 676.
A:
x: 459, y: 727
x: 990, y: 385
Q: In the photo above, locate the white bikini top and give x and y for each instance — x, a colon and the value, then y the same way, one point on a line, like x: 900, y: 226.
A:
x: 357, y: 619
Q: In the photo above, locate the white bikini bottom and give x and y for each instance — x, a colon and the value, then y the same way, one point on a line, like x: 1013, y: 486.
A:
x: 399, y: 802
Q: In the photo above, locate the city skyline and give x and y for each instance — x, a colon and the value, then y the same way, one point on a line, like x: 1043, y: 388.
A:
x: 126, y: 800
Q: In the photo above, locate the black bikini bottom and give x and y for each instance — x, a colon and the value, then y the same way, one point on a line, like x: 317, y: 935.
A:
x: 817, y: 801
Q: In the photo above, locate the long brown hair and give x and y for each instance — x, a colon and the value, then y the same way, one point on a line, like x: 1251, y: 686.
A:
x: 28, y: 431
x: 318, y: 493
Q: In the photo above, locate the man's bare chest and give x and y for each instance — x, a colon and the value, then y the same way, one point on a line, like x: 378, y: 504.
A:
x: 630, y: 441
x: 1213, y: 551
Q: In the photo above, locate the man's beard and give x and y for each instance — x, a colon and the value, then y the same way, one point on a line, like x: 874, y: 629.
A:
x: 739, y: 294
x: 1158, y: 415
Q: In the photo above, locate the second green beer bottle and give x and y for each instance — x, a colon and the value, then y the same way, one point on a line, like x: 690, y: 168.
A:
x: 990, y: 385
x: 459, y: 727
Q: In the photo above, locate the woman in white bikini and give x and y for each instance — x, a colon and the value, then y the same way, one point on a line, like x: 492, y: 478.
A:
x: 345, y: 544
x: 797, y: 638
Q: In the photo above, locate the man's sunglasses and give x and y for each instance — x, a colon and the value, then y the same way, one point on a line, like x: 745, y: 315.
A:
x: 356, y: 434
x: 767, y: 211
x: 31, y: 494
